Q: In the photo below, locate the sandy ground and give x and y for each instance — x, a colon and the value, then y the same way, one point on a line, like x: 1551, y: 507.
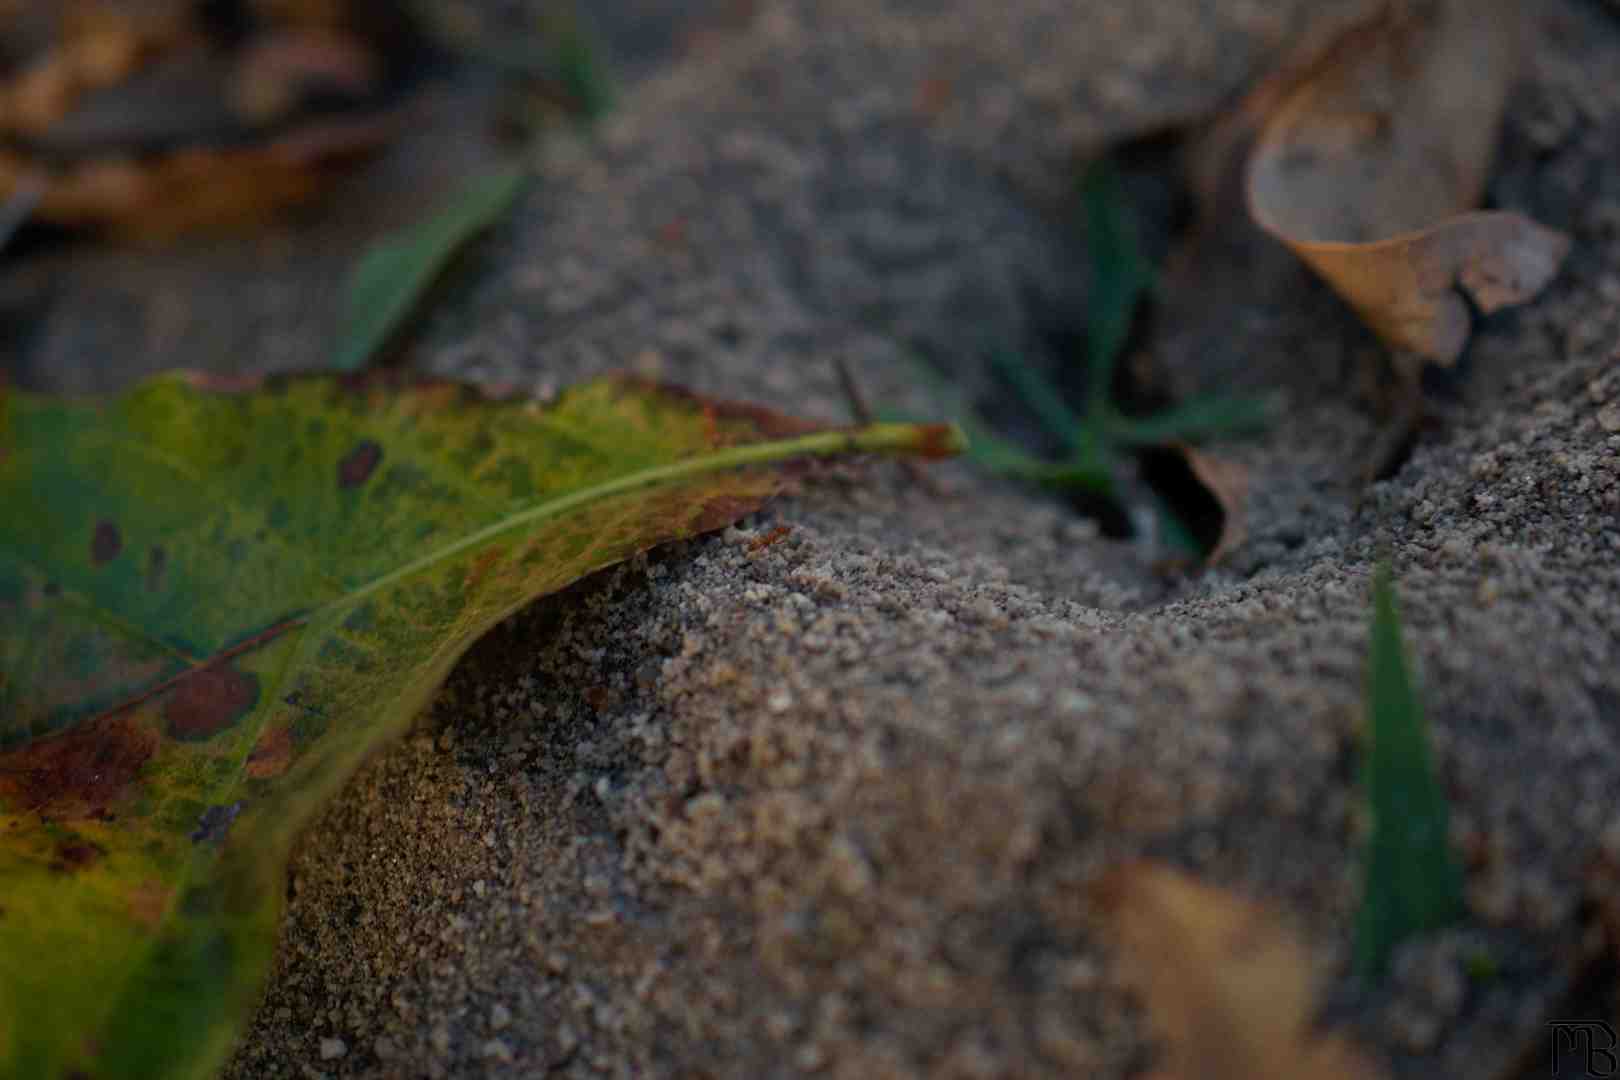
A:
x: 830, y: 806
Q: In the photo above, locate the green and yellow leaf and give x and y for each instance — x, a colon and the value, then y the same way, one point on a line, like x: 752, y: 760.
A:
x: 215, y: 601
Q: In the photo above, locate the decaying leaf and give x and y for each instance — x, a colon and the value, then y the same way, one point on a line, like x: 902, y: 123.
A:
x: 391, y: 277
x: 1228, y: 484
x: 215, y: 601
x: 1227, y: 986
x: 160, y: 197
x: 1368, y: 166
x: 148, y: 117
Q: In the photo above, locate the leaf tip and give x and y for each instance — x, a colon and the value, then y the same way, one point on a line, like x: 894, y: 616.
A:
x: 936, y: 441
x: 1412, y: 881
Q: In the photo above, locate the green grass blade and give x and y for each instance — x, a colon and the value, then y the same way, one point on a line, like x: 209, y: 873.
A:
x: 1042, y: 398
x: 1087, y: 471
x: 1174, y: 533
x: 1065, y: 476
x: 584, y: 73
x: 390, y: 279
x: 1121, y: 276
x: 1193, y: 421
x: 1412, y: 883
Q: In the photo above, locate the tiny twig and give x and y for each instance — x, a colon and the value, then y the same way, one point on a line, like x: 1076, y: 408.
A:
x: 861, y: 411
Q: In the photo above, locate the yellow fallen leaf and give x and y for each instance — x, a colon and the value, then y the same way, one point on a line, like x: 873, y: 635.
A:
x: 1369, y: 164
x: 1225, y: 984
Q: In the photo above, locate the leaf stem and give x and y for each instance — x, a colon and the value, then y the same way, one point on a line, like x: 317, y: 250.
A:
x: 901, y: 439
x: 919, y: 440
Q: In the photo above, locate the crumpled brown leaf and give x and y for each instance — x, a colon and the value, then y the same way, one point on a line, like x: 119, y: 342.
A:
x: 148, y: 117
x: 1228, y: 484
x: 1371, y: 158
x: 1225, y: 984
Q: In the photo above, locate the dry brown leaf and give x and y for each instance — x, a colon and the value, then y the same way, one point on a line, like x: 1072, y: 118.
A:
x: 275, y: 73
x: 94, y: 46
x: 142, y: 118
x: 1216, y: 156
x: 160, y: 197
x: 1370, y: 163
x: 1226, y: 985
x: 1228, y: 483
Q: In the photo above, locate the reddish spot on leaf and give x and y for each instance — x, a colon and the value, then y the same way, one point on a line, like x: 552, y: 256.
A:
x: 481, y: 567
x: 271, y: 754
x: 106, y: 543
x: 79, y: 773
x: 74, y: 855
x: 207, y: 701
x: 148, y: 902
x: 358, y: 464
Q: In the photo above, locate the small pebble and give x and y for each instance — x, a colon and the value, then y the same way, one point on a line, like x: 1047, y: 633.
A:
x: 499, y: 1017
x: 332, y: 1049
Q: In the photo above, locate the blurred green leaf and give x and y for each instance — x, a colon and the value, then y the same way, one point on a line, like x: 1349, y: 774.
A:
x: 1411, y: 882
x: 1063, y: 475
x: 1174, y: 533
x: 1481, y: 965
x: 391, y: 279
x: 584, y: 73
x: 1194, y: 420
x: 1121, y: 276
x: 1042, y: 398
x: 999, y: 455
